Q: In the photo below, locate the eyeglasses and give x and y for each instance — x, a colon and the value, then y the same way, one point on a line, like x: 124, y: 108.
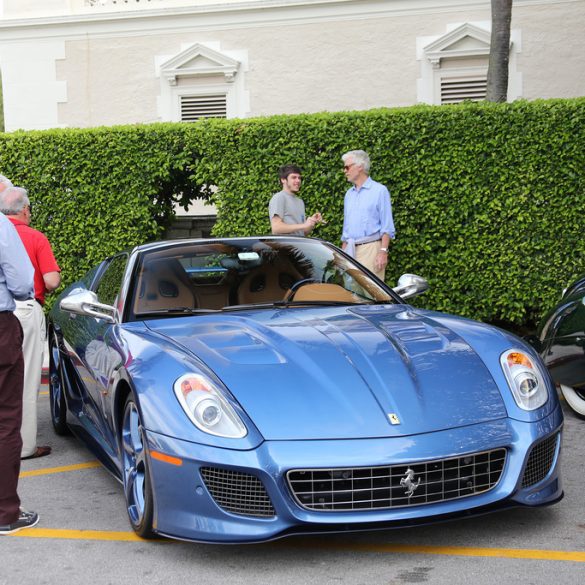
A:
x: 347, y: 167
x: 29, y: 207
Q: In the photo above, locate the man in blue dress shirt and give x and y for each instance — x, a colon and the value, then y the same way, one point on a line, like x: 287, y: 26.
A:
x: 368, y: 226
x: 16, y: 282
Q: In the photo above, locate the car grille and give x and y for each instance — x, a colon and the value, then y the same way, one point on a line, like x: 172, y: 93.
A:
x: 540, y: 461
x: 236, y: 492
x: 379, y: 488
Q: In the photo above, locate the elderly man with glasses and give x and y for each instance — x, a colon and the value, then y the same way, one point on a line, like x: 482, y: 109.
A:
x: 368, y: 226
x: 15, y: 204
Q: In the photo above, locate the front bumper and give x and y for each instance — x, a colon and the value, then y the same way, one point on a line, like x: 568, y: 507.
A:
x: 185, y: 508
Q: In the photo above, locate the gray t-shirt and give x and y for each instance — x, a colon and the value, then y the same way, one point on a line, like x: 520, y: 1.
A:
x: 290, y: 208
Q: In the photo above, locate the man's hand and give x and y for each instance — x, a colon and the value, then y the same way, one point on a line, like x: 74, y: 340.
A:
x: 381, y: 260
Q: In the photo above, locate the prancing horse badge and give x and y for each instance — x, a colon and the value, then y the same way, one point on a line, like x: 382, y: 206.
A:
x: 393, y: 418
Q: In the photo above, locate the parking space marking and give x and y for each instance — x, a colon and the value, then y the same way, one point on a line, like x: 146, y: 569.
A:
x: 64, y: 468
x: 62, y: 533
x: 453, y: 551
x: 503, y: 553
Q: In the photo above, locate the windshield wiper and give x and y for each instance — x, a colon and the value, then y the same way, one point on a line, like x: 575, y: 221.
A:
x: 177, y: 311
x: 287, y: 304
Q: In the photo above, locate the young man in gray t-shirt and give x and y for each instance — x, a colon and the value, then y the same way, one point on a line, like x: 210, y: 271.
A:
x: 287, y: 209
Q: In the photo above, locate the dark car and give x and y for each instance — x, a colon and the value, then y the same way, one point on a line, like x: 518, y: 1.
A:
x: 249, y: 388
x: 561, y: 342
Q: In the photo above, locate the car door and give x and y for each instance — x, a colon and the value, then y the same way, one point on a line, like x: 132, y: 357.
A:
x: 565, y: 356
x: 100, y: 356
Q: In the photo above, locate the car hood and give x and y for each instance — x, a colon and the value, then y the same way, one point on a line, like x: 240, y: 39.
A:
x: 327, y: 373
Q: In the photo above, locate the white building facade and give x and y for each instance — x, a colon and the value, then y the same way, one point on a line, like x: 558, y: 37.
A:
x: 84, y: 63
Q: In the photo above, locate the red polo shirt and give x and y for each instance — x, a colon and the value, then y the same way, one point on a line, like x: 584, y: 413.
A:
x: 40, y: 253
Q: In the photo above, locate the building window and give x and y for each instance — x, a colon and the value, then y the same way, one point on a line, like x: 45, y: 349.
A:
x: 194, y: 107
x: 454, y: 65
x: 203, y: 82
x: 458, y: 89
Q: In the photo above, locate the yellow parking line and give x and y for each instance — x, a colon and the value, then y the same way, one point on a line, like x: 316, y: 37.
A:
x: 81, y: 534
x: 504, y: 553
x: 64, y: 468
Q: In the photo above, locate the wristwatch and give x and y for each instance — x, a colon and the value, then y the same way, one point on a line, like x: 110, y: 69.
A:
x: 384, y: 250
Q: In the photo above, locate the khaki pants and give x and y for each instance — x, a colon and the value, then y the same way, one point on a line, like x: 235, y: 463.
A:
x: 366, y: 254
x: 32, y: 318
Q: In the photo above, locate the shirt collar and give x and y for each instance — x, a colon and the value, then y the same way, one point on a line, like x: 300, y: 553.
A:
x: 367, y: 185
x: 15, y: 221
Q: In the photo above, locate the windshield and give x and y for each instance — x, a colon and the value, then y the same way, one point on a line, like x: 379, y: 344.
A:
x: 234, y: 274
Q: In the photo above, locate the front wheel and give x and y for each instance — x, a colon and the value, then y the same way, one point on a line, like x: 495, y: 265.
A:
x: 575, y: 399
x: 57, y: 388
x: 137, y: 486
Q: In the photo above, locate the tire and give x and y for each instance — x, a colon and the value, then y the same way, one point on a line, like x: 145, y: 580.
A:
x: 136, y: 474
x: 57, y: 401
x: 575, y: 399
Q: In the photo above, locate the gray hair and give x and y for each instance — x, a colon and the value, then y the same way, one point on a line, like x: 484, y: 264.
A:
x: 359, y: 157
x: 13, y: 200
x: 5, y: 181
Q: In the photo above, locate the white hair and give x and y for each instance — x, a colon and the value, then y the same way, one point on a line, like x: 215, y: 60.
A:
x: 359, y: 157
x: 13, y: 200
x: 5, y: 181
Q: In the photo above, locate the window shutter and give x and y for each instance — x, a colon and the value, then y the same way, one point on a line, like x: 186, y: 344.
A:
x: 194, y: 107
x: 458, y: 89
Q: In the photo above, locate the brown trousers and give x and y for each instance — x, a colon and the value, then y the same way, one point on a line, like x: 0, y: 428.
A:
x: 11, y: 381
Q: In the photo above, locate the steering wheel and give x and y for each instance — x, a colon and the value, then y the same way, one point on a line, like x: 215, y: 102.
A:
x: 295, y: 287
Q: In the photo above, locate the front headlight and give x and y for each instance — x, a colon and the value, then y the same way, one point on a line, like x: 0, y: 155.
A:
x: 525, y: 379
x: 208, y: 410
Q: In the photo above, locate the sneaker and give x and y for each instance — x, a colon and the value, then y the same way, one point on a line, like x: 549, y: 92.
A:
x: 25, y: 520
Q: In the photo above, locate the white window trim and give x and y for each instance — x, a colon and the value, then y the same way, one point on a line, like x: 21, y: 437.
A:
x: 432, y: 50
x: 225, y: 71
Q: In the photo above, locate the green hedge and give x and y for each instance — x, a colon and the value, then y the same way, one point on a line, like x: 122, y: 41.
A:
x: 97, y: 191
x: 488, y: 199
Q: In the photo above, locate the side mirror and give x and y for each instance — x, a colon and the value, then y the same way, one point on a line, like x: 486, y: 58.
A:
x: 411, y: 285
x: 85, y: 302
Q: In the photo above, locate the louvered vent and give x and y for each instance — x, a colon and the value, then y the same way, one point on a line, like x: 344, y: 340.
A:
x: 194, y: 107
x: 458, y: 89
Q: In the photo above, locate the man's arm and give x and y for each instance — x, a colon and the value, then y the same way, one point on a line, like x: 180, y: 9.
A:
x: 280, y: 228
x: 16, y: 265
x: 52, y: 280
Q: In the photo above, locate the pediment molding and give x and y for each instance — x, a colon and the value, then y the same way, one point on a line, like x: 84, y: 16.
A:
x: 197, y: 61
x: 466, y: 40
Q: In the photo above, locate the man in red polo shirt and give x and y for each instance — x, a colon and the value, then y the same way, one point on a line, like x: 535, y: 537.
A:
x: 15, y: 204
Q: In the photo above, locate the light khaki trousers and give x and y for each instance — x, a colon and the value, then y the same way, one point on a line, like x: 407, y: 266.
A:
x: 32, y: 318
x: 366, y: 254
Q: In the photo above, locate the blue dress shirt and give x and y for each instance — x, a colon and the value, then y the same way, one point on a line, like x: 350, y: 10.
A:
x: 367, y: 211
x: 16, y: 270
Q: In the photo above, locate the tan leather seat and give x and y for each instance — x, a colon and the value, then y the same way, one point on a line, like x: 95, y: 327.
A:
x: 266, y: 284
x: 322, y: 291
x: 164, y: 284
x: 212, y: 296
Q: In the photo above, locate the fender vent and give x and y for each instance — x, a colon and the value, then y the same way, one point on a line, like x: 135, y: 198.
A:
x: 237, y: 492
x: 540, y: 461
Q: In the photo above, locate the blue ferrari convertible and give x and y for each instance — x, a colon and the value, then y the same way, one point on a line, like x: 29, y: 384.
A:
x: 244, y: 389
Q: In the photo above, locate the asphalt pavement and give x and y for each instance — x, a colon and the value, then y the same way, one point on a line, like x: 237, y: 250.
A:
x: 84, y: 537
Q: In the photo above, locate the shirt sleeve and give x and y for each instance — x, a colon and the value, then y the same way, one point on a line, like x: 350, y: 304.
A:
x: 276, y: 206
x: 344, y: 234
x: 45, y: 257
x: 15, y: 263
x: 386, y: 219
